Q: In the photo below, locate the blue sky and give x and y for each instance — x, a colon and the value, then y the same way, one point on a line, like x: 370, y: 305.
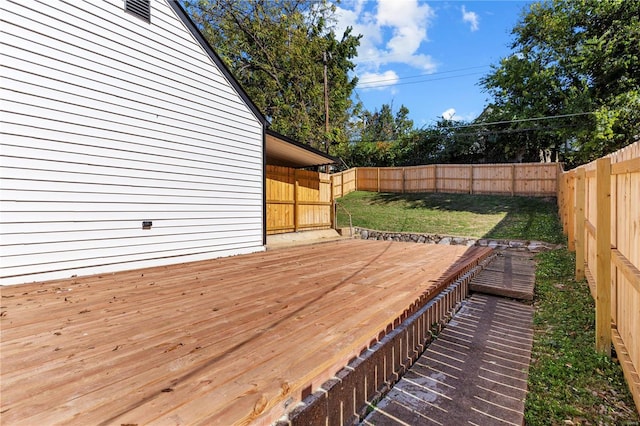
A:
x: 428, y: 55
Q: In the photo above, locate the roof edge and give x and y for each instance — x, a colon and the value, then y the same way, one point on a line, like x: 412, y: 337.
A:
x: 191, y: 26
x: 331, y: 159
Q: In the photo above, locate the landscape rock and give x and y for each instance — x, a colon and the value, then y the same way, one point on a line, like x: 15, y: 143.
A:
x: 531, y: 246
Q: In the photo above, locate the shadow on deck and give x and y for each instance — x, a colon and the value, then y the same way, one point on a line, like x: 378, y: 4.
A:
x: 237, y: 340
x: 476, y: 371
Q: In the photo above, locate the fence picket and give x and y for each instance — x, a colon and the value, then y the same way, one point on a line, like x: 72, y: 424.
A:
x: 607, y: 237
x: 529, y: 179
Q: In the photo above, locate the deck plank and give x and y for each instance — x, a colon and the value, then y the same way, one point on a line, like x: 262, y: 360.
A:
x: 227, y: 341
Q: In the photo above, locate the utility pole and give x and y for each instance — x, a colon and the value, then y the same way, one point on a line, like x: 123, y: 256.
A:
x: 326, y: 103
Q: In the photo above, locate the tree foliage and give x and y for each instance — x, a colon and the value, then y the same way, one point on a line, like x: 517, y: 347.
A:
x: 375, y: 136
x: 276, y: 49
x: 382, y: 138
x: 570, y: 57
x: 574, y: 61
x: 577, y: 61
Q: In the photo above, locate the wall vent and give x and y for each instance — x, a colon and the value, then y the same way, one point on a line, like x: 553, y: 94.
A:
x: 139, y: 8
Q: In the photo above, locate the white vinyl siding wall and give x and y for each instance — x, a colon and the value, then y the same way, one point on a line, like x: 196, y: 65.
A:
x: 108, y: 121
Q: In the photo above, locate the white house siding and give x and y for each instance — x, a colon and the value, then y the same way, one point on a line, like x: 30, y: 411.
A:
x: 108, y: 121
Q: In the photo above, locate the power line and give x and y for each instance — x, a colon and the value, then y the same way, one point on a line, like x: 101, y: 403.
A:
x: 425, y: 74
x: 366, y: 86
x: 521, y: 120
x: 496, y: 132
x: 482, y: 133
x: 490, y: 132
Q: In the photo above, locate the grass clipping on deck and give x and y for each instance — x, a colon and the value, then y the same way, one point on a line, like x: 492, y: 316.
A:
x: 569, y: 382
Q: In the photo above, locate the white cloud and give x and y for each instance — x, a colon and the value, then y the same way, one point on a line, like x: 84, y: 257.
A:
x: 471, y: 18
x: 448, y: 114
x: 377, y: 81
x: 392, y: 33
x: 408, y: 23
x: 451, y: 114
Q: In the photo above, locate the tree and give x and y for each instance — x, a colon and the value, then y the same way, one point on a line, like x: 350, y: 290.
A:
x: 277, y: 49
x: 574, y: 58
x: 377, y: 137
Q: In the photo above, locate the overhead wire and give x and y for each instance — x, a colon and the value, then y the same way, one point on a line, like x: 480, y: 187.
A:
x: 492, y: 132
x: 520, y: 120
x: 376, y: 86
x: 425, y: 74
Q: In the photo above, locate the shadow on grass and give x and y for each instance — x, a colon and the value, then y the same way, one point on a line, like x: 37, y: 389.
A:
x: 479, y: 204
x: 526, y: 218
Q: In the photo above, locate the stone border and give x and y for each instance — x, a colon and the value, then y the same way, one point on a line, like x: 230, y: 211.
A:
x: 530, y: 246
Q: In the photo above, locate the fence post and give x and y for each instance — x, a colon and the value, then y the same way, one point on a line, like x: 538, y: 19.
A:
x: 378, y: 179
x: 403, y: 180
x: 471, y: 179
x: 334, y: 214
x: 435, y: 178
x: 603, y: 256
x: 571, y: 216
x: 579, y: 231
x: 295, y: 200
x: 355, y: 177
x: 332, y: 179
x: 513, y: 180
x: 559, y: 171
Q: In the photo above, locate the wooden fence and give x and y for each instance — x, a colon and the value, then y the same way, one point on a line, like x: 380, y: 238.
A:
x: 532, y: 179
x: 600, y: 210
x: 297, y: 200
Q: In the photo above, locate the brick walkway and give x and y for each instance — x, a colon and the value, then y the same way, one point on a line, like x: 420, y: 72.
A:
x: 474, y: 373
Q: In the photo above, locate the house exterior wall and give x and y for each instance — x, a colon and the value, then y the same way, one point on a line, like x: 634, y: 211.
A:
x: 108, y: 121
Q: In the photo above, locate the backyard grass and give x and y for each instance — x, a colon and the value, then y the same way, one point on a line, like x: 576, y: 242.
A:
x: 463, y: 215
x: 569, y: 383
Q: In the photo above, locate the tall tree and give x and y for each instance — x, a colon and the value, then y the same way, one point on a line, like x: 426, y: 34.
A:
x: 572, y: 57
x: 278, y: 49
x: 377, y: 137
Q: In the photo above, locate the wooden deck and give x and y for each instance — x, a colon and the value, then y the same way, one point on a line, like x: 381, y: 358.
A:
x: 228, y: 341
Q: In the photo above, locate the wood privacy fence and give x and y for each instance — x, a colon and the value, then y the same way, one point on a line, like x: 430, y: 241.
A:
x: 600, y: 210
x: 297, y: 200
x: 532, y: 179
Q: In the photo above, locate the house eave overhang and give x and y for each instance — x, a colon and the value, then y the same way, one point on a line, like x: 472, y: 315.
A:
x: 286, y: 152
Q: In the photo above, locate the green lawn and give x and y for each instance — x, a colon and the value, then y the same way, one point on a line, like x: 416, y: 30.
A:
x: 569, y: 383
x: 463, y: 215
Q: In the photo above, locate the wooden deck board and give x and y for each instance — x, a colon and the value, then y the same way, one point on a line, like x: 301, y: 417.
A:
x: 227, y: 341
